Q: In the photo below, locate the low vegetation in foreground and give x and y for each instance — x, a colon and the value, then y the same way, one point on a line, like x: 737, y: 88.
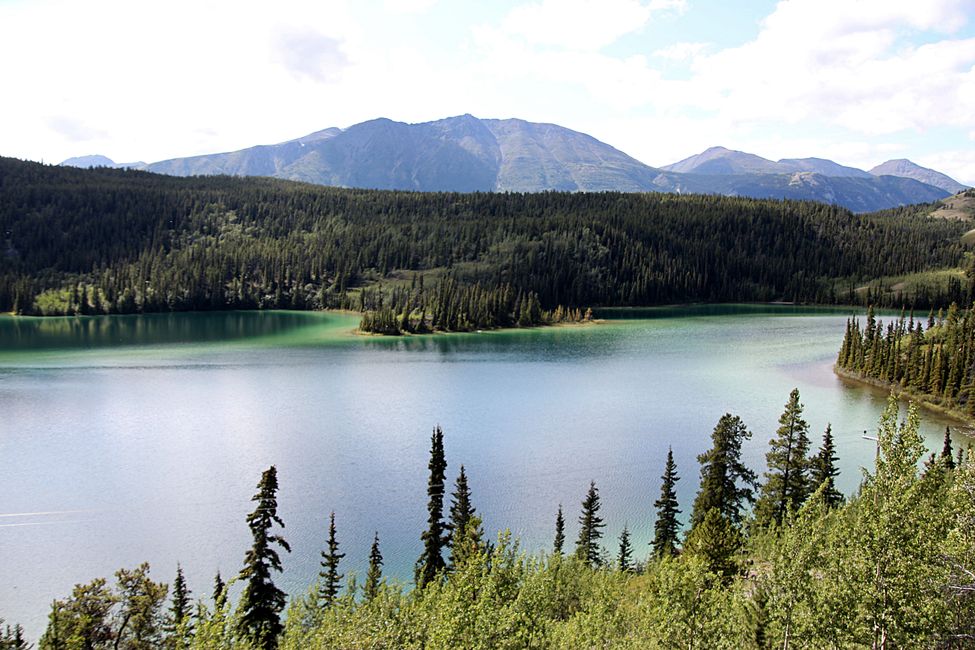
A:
x: 782, y: 562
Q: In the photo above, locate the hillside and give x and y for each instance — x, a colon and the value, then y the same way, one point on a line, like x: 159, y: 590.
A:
x: 110, y: 240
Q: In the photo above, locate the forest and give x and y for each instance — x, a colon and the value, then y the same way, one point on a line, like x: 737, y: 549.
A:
x: 96, y: 241
x: 785, y: 561
x: 931, y: 360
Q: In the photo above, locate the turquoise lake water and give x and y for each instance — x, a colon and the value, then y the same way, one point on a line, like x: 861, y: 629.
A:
x: 141, y: 438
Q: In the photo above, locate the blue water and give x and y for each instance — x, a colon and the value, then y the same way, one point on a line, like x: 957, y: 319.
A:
x: 130, y: 439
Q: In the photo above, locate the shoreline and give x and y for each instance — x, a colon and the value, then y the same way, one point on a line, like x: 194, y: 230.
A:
x: 905, y: 394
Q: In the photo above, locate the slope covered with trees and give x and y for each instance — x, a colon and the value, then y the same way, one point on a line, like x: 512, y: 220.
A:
x: 78, y: 241
x: 932, y: 360
x: 891, y: 567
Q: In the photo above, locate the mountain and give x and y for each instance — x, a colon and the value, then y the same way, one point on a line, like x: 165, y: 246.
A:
x: 461, y: 154
x: 857, y: 194
x: 906, y: 169
x: 721, y: 161
x: 467, y: 154
x: 100, y: 161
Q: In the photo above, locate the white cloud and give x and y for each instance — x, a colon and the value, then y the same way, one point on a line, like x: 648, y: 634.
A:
x: 586, y: 25
x: 409, y: 6
x: 957, y: 163
x: 681, y: 51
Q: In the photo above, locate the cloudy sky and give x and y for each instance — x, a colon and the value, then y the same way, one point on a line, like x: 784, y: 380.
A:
x: 857, y: 81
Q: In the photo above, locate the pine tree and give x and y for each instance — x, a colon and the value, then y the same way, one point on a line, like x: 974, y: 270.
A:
x: 947, y: 454
x: 330, y: 567
x: 179, y: 624
x: 587, y: 546
x: 786, y: 484
x: 726, y: 484
x: 624, y: 560
x: 375, y: 573
x: 219, y: 590
x: 431, y: 563
x: 559, y: 533
x: 261, y: 602
x: 461, y: 511
x: 666, y: 526
x: 822, y: 469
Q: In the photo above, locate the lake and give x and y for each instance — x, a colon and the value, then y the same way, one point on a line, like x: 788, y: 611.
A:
x: 141, y: 438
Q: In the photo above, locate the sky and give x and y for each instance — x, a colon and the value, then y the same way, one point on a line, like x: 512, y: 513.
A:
x: 855, y: 81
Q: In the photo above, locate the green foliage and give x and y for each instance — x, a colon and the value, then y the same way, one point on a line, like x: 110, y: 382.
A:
x: 138, y: 242
x: 559, y: 533
x: 329, y: 574
x: 434, y: 538
x: 726, y: 483
x: 666, y: 526
x: 786, y: 483
x: 461, y: 513
x: 590, y: 529
x: 374, y: 575
x: 179, y: 623
x: 258, y: 620
x: 823, y: 470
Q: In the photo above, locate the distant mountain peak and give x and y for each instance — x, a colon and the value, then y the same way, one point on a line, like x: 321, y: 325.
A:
x: 906, y: 169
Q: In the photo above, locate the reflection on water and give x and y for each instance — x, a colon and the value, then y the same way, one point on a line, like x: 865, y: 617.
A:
x: 68, y: 332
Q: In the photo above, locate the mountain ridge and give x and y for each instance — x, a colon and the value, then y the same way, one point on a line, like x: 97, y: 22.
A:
x: 465, y: 154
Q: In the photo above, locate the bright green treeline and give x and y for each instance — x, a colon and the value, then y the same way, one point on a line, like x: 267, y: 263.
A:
x: 118, y: 241
x: 891, y: 567
x: 934, y: 361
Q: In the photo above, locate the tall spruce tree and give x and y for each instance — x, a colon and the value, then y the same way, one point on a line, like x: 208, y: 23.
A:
x: 431, y: 563
x: 179, y: 623
x: 624, y: 559
x: 823, y: 470
x: 219, y: 590
x: 947, y: 454
x: 329, y: 574
x: 590, y: 525
x: 374, y: 574
x: 726, y: 484
x: 666, y: 527
x: 786, y: 485
x: 559, y: 533
x: 261, y: 602
x: 461, y: 511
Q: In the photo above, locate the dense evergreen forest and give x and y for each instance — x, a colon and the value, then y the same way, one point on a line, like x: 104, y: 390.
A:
x: 893, y: 566
x: 78, y: 241
x: 932, y: 360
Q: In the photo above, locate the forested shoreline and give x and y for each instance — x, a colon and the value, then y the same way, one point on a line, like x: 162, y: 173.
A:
x: 785, y: 561
x: 104, y: 241
x: 929, y: 359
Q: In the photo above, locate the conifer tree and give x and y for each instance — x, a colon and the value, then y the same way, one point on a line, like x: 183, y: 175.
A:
x: 786, y: 484
x: 587, y: 546
x: 179, y: 623
x: 624, y: 560
x: 330, y: 567
x: 726, y: 484
x: 822, y: 469
x: 461, y: 511
x: 375, y: 573
x: 219, y: 590
x: 947, y: 454
x: 559, y: 533
x: 431, y: 563
x: 666, y: 526
x: 261, y: 602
